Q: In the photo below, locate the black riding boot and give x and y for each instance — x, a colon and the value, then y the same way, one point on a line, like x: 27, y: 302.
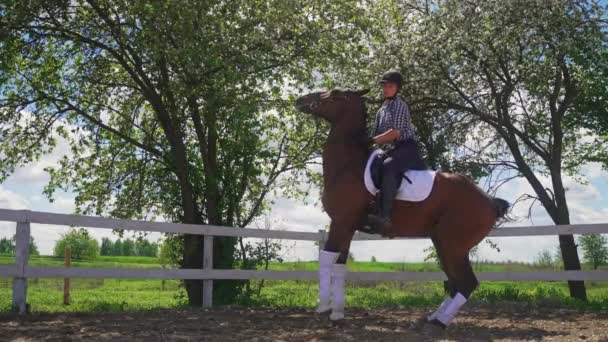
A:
x: 390, y: 183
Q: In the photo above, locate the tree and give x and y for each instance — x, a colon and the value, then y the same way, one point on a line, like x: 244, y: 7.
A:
x: 172, y: 109
x: 544, y: 260
x: 144, y: 247
x: 128, y: 248
x: 107, y: 247
x: 259, y: 254
x: 83, y: 246
x: 595, y: 249
x: 7, y: 246
x: 117, y: 249
x: 170, y: 253
x: 33, y: 248
x: 511, y: 77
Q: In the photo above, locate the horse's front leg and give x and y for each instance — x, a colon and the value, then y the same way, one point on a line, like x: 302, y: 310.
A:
x: 332, y: 269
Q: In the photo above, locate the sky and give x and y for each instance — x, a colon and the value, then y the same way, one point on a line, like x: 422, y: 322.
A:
x: 588, y: 204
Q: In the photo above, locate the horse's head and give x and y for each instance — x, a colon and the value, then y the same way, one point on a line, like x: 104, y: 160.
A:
x: 332, y: 105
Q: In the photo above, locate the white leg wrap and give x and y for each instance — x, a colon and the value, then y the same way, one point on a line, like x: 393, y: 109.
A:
x: 440, y: 309
x: 326, y: 260
x: 338, y: 291
x: 446, y: 315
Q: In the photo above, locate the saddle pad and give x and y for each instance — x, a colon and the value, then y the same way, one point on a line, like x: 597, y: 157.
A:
x: 419, y: 190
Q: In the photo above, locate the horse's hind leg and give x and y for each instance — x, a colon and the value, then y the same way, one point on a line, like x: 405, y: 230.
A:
x: 452, y: 290
x: 458, y: 269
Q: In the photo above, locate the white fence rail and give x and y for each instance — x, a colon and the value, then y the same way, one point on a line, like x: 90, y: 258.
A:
x: 21, y: 271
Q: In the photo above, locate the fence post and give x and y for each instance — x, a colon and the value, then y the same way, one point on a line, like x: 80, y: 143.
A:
x: 22, y: 246
x: 66, y: 281
x: 322, y: 239
x: 207, y: 266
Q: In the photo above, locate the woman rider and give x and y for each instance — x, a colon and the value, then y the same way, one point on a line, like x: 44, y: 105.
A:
x: 394, y: 128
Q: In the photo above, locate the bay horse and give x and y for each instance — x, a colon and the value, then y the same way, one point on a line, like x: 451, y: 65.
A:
x: 456, y: 215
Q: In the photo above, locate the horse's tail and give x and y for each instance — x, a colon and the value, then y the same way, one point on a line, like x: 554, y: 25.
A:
x: 502, y: 207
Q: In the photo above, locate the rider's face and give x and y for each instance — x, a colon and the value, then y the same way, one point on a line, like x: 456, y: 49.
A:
x: 389, y: 88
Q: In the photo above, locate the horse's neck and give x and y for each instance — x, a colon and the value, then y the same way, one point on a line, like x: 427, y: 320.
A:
x: 341, y: 154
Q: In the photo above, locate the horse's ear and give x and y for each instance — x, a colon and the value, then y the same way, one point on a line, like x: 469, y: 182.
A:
x: 362, y: 92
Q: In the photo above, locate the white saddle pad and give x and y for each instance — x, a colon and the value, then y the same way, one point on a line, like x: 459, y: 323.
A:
x: 419, y: 190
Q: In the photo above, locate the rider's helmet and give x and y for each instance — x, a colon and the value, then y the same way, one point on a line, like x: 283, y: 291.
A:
x: 392, y: 76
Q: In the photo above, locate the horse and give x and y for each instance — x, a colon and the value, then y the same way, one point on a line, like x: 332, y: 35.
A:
x: 456, y: 215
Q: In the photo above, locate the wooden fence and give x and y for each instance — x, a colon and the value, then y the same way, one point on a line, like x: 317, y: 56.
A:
x: 21, y: 271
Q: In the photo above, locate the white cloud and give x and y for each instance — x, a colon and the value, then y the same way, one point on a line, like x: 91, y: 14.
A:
x: 594, y: 170
x: 299, y: 217
x: 12, y: 200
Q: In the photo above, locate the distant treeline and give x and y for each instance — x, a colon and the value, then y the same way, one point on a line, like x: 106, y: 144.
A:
x: 128, y: 247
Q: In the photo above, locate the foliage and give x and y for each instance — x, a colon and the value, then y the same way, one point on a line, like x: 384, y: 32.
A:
x: 106, y: 247
x: 430, y: 253
x: 170, y: 252
x: 595, y: 249
x: 7, y: 246
x: 33, y: 248
x: 82, y: 245
x: 544, y: 259
x: 128, y: 247
x: 258, y: 255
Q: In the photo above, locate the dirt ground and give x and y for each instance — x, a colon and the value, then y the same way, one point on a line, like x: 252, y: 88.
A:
x: 515, y: 323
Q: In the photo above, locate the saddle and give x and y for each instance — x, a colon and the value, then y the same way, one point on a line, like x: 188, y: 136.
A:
x: 415, y: 186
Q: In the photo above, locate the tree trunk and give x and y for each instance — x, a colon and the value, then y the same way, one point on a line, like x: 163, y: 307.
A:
x: 224, y: 291
x: 570, y: 255
x: 572, y: 263
x: 193, y: 259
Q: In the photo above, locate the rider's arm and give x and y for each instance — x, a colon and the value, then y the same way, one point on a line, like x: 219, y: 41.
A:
x: 386, y: 137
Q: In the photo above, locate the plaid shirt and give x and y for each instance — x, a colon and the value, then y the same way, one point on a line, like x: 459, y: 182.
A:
x: 395, y: 114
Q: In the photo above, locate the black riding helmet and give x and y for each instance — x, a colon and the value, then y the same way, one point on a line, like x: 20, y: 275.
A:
x: 392, y: 76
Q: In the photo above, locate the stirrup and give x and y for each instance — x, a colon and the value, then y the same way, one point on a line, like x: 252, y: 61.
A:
x: 380, y: 225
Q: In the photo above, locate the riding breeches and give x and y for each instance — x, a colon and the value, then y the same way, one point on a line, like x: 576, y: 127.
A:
x: 405, y: 156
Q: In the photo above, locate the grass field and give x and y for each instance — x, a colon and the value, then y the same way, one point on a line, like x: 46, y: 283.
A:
x: 46, y: 295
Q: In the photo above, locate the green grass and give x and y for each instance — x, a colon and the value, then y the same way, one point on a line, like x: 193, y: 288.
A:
x: 100, y: 261
x: 46, y: 295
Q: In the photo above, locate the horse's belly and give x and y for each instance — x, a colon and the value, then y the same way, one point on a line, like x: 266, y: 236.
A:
x: 412, y: 219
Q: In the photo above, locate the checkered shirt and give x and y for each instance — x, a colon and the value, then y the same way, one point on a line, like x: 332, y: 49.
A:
x: 395, y: 113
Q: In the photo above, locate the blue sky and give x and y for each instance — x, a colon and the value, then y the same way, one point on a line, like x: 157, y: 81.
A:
x: 588, y: 204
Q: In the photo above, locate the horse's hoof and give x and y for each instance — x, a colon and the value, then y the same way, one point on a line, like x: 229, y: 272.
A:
x: 322, y: 310
x: 336, y: 316
x: 437, y: 323
x: 432, y: 329
x: 421, y: 321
